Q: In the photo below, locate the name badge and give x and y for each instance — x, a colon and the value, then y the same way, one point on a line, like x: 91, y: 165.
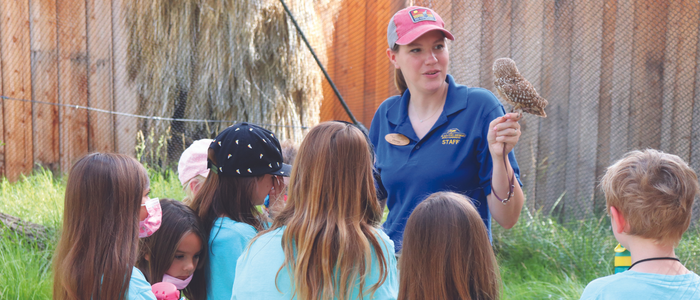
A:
x: 397, y: 139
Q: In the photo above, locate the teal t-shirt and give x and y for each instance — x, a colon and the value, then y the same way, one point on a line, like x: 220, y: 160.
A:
x: 257, y: 270
x: 638, y: 285
x: 139, y: 288
x: 227, y: 240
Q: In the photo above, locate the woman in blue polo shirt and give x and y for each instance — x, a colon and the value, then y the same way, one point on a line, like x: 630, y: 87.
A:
x: 439, y: 135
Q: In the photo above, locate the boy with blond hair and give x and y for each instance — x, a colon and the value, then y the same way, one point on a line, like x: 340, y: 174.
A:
x: 649, y: 196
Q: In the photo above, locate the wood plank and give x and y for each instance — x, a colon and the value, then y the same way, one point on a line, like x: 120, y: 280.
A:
x: 375, y: 43
x: 99, y: 49
x: 621, y: 92
x: 465, y: 52
x: 526, y: 51
x: 351, y: 59
x: 72, y: 68
x: 15, y: 42
x: 680, y: 52
x: 337, y: 54
x: 45, y: 83
x: 605, y: 101
x: 695, y: 132
x: 583, y: 107
x: 2, y: 121
x: 125, y: 96
x: 556, y: 74
x: 496, y: 25
x: 647, y: 74
x: 383, y: 70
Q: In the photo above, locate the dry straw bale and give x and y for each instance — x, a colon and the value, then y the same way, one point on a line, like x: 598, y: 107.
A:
x: 227, y: 60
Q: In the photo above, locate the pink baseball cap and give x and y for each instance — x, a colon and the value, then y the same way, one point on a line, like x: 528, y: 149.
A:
x: 193, y: 161
x: 410, y: 23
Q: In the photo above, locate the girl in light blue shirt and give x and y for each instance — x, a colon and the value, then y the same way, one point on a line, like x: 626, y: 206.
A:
x: 245, y: 163
x: 107, y: 209
x: 326, y: 242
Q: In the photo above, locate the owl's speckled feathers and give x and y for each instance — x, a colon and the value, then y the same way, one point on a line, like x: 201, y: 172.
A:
x: 516, y: 90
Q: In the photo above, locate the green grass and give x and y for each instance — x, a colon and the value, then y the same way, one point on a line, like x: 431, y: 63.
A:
x: 25, y: 268
x: 539, y: 258
x: 25, y: 271
x: 37, y: 198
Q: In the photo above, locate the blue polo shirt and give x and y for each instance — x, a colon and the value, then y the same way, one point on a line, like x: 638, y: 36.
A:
x: 453, y: 156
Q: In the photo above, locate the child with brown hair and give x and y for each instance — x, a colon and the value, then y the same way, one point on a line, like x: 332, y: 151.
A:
x: 649, y: 196
x: 177, y: 251
x: 446, y: 252
x: 246, y: 165
x: 107, y: 210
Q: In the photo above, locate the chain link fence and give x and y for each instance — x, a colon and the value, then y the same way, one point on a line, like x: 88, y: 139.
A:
x: 148, y: 78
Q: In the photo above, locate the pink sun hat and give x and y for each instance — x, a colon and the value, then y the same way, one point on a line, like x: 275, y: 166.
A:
x: 193, y: 161
x: 410, y: 23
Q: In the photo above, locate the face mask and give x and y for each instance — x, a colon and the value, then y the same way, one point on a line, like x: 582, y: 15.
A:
x: 179, y: 283
x: 152, y: 222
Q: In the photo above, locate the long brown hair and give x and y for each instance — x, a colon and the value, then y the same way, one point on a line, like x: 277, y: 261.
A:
x: 160, y: 248
x: 331, y: 215
x: 399, y: 80
x: 99, y: 240
x: 446, y: 252
x: 227, y: 196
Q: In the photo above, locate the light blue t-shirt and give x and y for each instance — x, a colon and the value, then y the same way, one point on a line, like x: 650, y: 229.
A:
x: 639, y: 286
x: 257, y: 270
x: 227, y: 240
x: 139, y: 288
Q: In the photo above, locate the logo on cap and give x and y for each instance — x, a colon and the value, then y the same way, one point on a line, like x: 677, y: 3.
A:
x: 420, y: 16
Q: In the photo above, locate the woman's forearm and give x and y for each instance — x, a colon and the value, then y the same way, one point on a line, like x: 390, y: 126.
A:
x: 506, y: 215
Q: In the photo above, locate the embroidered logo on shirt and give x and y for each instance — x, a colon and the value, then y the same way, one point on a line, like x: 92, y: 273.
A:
x: 452, y: 136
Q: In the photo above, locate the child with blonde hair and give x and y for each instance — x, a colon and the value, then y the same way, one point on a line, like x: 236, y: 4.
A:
x: 326, y: 243
x: 649, y: 195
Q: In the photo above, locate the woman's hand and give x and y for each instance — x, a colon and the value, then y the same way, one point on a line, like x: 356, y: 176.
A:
x: 277, y: 196
x: 503, y: 132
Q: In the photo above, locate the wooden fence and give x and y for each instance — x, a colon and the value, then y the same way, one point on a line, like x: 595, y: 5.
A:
x: 619, y: 75
x: 61, y: 54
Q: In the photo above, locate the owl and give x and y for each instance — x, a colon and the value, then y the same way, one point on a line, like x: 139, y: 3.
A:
x: 516, y: 90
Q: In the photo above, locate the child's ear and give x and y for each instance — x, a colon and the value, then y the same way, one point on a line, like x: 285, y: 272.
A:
x: 194, y: 185
x: 618, y: 220
x: 147, y: 257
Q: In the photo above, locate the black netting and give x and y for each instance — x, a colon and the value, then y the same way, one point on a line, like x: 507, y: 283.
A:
x: 147, y: 78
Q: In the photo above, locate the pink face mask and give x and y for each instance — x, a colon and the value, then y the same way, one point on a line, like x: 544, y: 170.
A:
x: 152, y: 222
x: 179, y: 283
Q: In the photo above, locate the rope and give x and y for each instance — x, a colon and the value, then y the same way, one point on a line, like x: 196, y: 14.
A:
x: 155, y: 118
x: 320, y: 65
